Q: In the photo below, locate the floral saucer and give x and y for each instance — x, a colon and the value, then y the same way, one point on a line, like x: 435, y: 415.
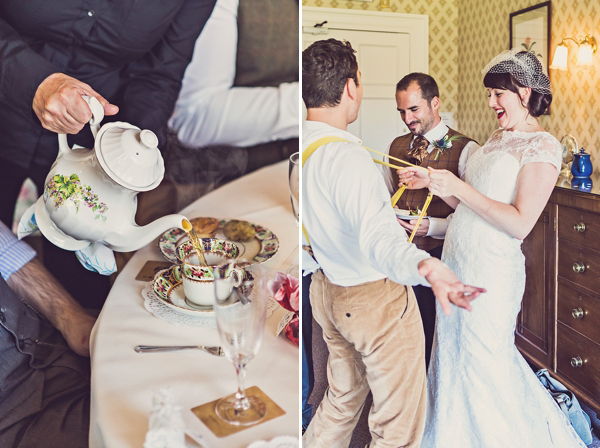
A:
x: 258, y: 250
x: 167, y: 286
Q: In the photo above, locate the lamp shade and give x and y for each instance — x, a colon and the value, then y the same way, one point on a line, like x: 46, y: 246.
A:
x: 584, y: 56
x: 561, y: 54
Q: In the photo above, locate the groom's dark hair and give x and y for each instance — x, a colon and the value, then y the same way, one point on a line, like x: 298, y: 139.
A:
x: 326, y: 67
x: 428, y: 86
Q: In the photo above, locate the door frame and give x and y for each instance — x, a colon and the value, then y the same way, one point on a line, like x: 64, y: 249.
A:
x: 416, y: 25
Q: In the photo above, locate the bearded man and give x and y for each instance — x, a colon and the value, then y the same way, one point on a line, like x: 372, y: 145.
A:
x: 430, y: 143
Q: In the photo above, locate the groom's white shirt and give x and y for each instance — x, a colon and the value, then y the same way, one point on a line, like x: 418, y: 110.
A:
x: 437, y: 226
x: 348, y: 216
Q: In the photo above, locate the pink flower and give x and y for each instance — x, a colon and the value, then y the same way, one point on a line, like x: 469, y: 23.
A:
x: 292, y: 332
x: 275, y: 283
x: 294, y: 296
x: 284, y: 289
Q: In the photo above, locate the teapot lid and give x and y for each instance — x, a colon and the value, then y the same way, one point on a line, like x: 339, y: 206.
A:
x: 130, y: 156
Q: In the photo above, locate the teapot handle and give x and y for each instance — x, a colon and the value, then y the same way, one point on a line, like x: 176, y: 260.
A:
x: 97, y: 117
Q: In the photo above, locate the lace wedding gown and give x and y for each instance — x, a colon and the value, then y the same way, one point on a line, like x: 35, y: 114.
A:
x: 481, y: 392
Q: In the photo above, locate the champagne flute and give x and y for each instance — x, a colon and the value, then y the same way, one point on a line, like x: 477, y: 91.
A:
x: 240, y: 324
x: 294, y: 183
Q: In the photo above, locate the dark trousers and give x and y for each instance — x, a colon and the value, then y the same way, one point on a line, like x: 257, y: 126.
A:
x: 45, y: 387
x: 308, y: 377
x: 89, y: 288
x: 64, y: 417
x: 426, y: 301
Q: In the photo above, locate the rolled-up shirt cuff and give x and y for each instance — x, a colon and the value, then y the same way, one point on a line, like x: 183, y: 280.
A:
x: 437, y: 228
x: 14, y: 254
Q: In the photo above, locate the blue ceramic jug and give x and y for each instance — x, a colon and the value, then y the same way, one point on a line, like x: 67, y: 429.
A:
x: 582, y: 165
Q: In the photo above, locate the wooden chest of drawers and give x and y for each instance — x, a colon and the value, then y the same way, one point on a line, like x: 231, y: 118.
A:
x: 559, y: 324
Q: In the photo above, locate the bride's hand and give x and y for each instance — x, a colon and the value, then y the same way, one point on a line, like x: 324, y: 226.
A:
x: 446, y: 286
x: 414, y: 178
x: 443, y: 183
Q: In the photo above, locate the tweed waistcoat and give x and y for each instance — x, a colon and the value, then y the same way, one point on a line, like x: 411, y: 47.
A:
x: 411, y: 199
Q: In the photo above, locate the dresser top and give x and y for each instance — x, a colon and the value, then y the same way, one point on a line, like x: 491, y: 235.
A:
x: 589, y: 185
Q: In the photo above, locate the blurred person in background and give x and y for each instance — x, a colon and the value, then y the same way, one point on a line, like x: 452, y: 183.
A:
x: 130, y: 55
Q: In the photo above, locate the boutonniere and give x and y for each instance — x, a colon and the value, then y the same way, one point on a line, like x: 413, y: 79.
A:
x: 443, y: 144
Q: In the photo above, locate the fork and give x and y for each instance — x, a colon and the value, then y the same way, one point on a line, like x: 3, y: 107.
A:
x: 217, y: 351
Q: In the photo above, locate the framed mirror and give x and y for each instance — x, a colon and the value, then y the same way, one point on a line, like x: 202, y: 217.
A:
x: 529, y: 30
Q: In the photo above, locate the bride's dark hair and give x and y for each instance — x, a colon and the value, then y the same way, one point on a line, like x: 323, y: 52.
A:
x: 538, y: 102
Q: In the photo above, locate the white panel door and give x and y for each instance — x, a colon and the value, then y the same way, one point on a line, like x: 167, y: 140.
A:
x: 384, y: 57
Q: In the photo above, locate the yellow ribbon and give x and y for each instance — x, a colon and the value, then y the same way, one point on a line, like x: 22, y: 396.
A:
x: 427, y: 202
x: 394, y: 200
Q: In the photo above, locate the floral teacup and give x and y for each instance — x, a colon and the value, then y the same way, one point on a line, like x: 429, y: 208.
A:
x: 198, y: 280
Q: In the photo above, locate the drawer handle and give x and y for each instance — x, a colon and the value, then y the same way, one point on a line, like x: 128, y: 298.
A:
x: 577, y: 313
x: 579, y: 268
x: 576, y: 362
x: 580, y: 227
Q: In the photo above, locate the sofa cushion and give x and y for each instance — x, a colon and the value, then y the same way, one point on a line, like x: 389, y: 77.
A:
x: 268, y: 48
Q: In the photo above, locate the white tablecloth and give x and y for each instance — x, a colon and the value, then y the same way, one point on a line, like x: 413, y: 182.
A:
x: 123, y: 381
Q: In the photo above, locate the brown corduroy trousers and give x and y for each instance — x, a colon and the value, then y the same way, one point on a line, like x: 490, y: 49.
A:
x: 375, y: 339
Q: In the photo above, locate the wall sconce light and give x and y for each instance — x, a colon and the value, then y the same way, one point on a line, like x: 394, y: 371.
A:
x: 587, y: 47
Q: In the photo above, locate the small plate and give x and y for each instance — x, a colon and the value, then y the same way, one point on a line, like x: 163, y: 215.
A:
x: 405, y: 215
x: 569, y: 145
x: 168, y: 288
x: 258, y: 250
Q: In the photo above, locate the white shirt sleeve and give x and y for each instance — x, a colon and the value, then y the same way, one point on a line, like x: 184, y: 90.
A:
x: 467, y: 152
x: 362, y: 198
x: 387, y: 174
x: 210, y: 111
x: 437, y: 227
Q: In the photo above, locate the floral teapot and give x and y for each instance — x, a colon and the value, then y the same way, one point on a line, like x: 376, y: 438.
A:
x: 91, y: 195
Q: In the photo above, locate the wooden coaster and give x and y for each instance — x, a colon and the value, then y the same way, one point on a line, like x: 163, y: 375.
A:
x: 150, y: 269
x: 206, y: 413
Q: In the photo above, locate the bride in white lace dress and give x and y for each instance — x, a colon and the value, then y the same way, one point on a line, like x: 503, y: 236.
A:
x: 481, y: 392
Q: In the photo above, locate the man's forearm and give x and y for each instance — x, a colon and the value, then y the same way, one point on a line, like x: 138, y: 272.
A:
x: 45, y: 294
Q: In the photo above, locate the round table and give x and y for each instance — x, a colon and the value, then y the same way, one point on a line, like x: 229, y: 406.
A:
x: 123, y: 381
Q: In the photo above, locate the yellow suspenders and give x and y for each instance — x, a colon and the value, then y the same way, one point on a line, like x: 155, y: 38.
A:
x: 305, y: 155
x: 325, y: 140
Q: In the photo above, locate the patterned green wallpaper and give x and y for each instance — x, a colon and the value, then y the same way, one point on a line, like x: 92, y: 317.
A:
x: 575, y: 106
x: 465, y: 34
x: 443, y: 38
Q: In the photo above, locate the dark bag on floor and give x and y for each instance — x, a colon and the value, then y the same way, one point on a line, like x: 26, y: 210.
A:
x: 569, y: 405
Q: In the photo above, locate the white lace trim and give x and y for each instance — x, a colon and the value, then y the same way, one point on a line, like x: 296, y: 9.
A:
x: 156, y: 306
x: 527, y: 147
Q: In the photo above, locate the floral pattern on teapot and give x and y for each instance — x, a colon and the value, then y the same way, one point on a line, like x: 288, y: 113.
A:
x: 61, y: 188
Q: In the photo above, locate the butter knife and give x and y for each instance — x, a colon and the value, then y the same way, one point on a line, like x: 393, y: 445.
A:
x: 217, y: 351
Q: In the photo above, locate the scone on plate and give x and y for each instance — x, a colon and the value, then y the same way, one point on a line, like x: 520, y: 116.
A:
x: 241, y: 231
x: 205, y: 227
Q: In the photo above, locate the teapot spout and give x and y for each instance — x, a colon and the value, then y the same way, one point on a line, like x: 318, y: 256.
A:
x: 136, y: 237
